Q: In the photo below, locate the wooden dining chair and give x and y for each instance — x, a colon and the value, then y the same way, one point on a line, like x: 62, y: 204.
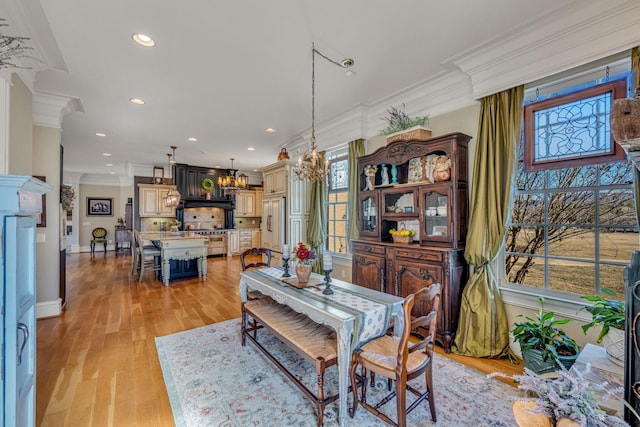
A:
x: 99, y: 235
x: 252, y: 294
x: 255, y: 252
x: 398, y: 360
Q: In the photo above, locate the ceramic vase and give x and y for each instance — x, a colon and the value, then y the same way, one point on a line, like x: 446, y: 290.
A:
x: 303, y: 272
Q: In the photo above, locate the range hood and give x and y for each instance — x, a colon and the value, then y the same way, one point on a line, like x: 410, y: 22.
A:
x: 222, y: 204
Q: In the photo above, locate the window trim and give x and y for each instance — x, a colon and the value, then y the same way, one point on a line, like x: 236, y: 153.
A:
x: 617, y: 88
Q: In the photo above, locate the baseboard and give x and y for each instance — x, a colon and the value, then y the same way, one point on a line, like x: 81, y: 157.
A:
x: 49, y: 308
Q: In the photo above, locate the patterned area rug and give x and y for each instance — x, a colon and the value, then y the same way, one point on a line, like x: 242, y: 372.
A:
x: 213, y: 381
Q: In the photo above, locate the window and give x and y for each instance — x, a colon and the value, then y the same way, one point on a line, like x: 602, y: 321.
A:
x: 338, y: 195
x: 573, y: 225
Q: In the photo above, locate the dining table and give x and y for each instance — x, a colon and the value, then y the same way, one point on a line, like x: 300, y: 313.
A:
x: 357, y: 314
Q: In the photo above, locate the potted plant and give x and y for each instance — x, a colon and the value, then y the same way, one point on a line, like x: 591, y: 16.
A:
x: 609, y: 314
x: 402, y: 127
x: 568, y: 400
x: 544, y: 345
x: 120, y: 221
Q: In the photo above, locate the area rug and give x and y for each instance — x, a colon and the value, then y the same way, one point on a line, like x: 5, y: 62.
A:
x: 213, y: 381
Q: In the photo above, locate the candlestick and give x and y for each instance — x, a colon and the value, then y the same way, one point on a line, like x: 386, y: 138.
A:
x: 285, y: 266
x: 327, y: 261
x: 285, y: 252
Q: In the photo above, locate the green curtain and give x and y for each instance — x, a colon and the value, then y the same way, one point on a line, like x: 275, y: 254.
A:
x: 356, y: 149
x: 483, y: 329
x: 635, y: 84
x: 317, y: 228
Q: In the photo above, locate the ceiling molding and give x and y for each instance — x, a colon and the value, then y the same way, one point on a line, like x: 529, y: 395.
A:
x: 577, y: 34
x: 49, y: 109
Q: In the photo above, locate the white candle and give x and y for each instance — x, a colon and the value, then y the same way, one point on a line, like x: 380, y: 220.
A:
x: 327, y: 261
x: 285, y: 251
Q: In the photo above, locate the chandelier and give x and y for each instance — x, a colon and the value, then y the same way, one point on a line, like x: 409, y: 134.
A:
x: 310, y: 166
x: 230, y: 184
x: 172, y: 198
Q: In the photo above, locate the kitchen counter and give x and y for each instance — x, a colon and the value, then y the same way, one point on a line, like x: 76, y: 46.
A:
x: 183, y: 254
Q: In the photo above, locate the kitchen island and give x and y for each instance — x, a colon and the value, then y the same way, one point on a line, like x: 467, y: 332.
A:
x: 183, y: 254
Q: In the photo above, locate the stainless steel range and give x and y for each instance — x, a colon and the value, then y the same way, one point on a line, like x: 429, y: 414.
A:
x: 217, y: 240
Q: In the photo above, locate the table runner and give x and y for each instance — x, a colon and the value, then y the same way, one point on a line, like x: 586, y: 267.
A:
x: 372, y: 315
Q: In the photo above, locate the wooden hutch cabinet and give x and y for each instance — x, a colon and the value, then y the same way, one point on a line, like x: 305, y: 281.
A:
x: 421, y: 186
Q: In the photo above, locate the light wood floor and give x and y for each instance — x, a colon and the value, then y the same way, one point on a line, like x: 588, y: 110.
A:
x: 97, y: 363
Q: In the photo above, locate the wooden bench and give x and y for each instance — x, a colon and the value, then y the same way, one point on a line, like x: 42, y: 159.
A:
x: 314, y: 342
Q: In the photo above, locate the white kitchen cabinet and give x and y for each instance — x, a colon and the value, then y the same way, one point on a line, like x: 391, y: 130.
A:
x: 275, y: 181
x: 286, y: 221
x: 20, y: 201
x: 233, y: 241
x: 151, y: 201
x: 258, y: 203
x: 246, y: 237
x: 256, y: 238
x: 245, y: 204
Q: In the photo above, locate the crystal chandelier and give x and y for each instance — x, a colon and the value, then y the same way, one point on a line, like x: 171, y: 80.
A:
x: 310, y: 166
x: 230, y: 184
x: 172, y: 198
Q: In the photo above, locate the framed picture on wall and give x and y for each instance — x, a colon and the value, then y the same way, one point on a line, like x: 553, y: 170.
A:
x: 41, y: 219
x: 99, y: 206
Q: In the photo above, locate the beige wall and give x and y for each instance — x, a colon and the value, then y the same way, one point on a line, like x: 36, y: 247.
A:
x: 20, y: 129
x: 46, y: 162
x: 88, y: 223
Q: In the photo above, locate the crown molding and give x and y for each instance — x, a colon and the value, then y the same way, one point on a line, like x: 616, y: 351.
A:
x: 49, y: 109
x: 576, y: 34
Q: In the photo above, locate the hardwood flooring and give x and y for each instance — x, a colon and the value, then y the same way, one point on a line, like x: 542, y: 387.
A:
x: 97, y: 363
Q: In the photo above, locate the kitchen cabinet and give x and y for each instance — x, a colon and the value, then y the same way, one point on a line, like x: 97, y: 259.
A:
x: 285, y: 206
x: 258, y: 202
x: 256, y: 238
x: 20, y: 201
x: 246, y: 240
x: 425, y: 197
x: 275, y: 182
x: 245, y: 204
x: 152, y: 201
x: 233, y: 240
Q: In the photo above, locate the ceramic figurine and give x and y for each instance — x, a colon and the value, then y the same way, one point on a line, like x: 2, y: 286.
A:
x: 385, y: 175
x: 370, y: 173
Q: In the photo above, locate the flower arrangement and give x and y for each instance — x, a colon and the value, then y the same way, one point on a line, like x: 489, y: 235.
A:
x: 304, y: 254
x: 120, y: 221
x: 402, y: 235
x: 398, y: 121
x: 569, y: 396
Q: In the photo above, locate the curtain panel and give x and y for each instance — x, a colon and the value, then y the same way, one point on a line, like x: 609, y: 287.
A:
x: 356, y: 149
x: 635, y: 84
x: 317, y: 228
x: 483, y: 329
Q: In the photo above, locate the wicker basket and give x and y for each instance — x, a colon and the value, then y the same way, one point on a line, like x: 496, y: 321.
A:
x: 417, y: 133
x: 401, y: 239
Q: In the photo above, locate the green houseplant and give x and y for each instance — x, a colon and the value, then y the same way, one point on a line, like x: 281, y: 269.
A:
x: 609, y: 314
x: 543, y: 343
x: 398, y: 122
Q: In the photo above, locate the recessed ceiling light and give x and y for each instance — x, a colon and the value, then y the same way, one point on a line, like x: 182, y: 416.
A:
x: 251, y: 149
x: 255, y: 170
x: 106, y: 154
x: 217, y: 166
x: 192, y: 139
x: 143, y: 40
x: 100, y: 134
x: 270, y: 130
x: 109, y: 165
x: 137, y: 101
x: 112, y: 173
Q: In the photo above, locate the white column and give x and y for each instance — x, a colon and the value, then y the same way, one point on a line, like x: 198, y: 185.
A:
x: 5, y: 91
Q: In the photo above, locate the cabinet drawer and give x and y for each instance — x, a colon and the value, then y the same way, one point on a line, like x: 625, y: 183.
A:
x: 418, y: 255
x: 245, y: 238
x: 184, y: 253
x: 364, y: 248
x: 245, y: 233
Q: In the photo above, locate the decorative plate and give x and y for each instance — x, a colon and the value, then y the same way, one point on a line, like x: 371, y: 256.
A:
x: 207, y: 184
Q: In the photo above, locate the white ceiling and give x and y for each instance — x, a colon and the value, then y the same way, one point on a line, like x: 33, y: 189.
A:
x: 224, y: 71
